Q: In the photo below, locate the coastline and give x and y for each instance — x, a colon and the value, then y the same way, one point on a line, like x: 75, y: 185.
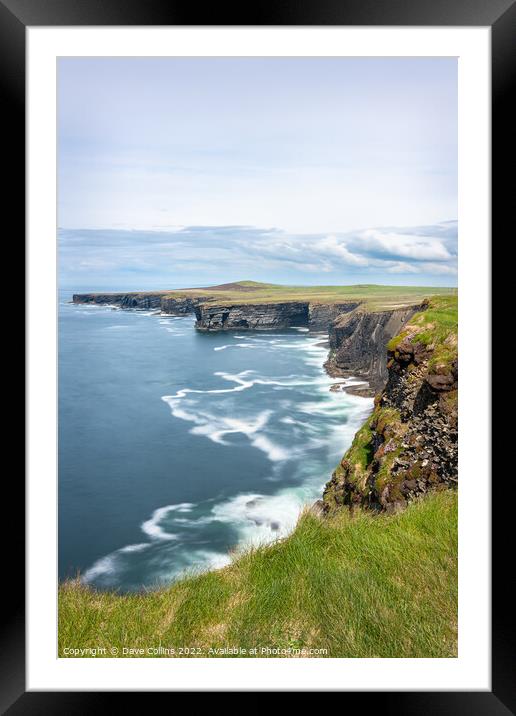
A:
x: 354, y: 382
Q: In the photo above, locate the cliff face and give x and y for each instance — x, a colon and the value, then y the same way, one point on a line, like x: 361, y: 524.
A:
x: 358, y: 342
x: 172, y: 305
x: 251, y: 316
x: 125, y: 300
x: 408, y: 446
x: 348, y: 324
x: 322, y: 315
x: 181, y: 306
x: 277, y: 315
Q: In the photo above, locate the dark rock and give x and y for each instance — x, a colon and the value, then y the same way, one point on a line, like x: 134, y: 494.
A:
x: 444, y: 382
x: 268, y: 316
x: 147, y: 299
x: 358, y: 342
x: 251, y: 316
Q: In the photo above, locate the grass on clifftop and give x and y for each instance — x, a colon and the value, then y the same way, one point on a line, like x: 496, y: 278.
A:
x: 361, y: 586
x: 437, y: 329
x: 373, y: 295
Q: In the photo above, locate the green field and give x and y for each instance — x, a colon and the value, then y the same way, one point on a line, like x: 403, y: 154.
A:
x: 354, y: 586
x: 374, y: 295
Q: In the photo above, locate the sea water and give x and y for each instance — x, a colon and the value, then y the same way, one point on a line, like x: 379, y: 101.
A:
x: 177, y: 448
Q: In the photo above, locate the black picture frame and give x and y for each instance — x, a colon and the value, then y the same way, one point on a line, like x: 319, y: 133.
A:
x: 500, y: 16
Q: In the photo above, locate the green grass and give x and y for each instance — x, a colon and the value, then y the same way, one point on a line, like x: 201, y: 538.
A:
x: 374, y: 296
x: 437, y: 329
x: 355, y: 586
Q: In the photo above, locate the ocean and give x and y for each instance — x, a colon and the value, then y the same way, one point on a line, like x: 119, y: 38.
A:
x: 177, y: 449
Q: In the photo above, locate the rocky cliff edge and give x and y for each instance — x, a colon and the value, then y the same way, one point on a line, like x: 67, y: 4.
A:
x: 408, y: 445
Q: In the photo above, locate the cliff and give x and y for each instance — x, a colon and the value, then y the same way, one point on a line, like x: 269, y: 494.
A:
x: 181, y: 305
x: 322, y: 315
x: 251, y: 316
x: 358, y: 342
x: 146, y: 299
x: 273, y: 315
x: 321, y: 305
x: 358, y: 329
x: 408, y: 446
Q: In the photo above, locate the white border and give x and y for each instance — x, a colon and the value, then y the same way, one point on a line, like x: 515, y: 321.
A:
x: 471, y: 670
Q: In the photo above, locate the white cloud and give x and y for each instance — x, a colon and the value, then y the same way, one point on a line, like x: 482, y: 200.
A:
x: 407, y: 246
x: 206, y: 253
x: 331, y: 246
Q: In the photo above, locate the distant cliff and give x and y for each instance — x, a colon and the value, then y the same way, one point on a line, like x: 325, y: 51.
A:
x: 182, y: 305
x: 147, y: 299
x: 212, y: 315
x: 408, y: 445
x: 357, y: 334
x: 266, y: 316
x: 174, y: 305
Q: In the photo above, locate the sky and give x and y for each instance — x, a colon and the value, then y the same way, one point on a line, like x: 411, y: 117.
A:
x: 190, y: 171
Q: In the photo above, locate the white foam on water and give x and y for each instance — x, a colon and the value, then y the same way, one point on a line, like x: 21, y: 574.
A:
x: 260, y: 519
x: 86, y: 307
x: 152, y: 526
x: 273, y: 452
x: 207, y: 560
x: 238, y: 378
x: 104, y: 565
x: 260, y: 339
x: 216, y: 427
x: 135, y: 547
x: 234, y: 345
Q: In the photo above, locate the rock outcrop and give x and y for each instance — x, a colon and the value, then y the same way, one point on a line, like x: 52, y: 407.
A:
x: 251, y: 316
x: 174, y: 305
x: 408, y: 446
x: 358, y: 340
x: 124, y: 300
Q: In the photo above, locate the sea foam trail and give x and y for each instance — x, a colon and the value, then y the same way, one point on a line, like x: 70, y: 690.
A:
x: 217, y: 427
x: 152, y: 527
x: 234, y: 345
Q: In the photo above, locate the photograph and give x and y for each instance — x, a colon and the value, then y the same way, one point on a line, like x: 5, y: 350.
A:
x: 258, y: 377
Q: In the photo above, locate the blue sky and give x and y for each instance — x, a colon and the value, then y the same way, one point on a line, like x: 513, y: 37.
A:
x: 192, y: 171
